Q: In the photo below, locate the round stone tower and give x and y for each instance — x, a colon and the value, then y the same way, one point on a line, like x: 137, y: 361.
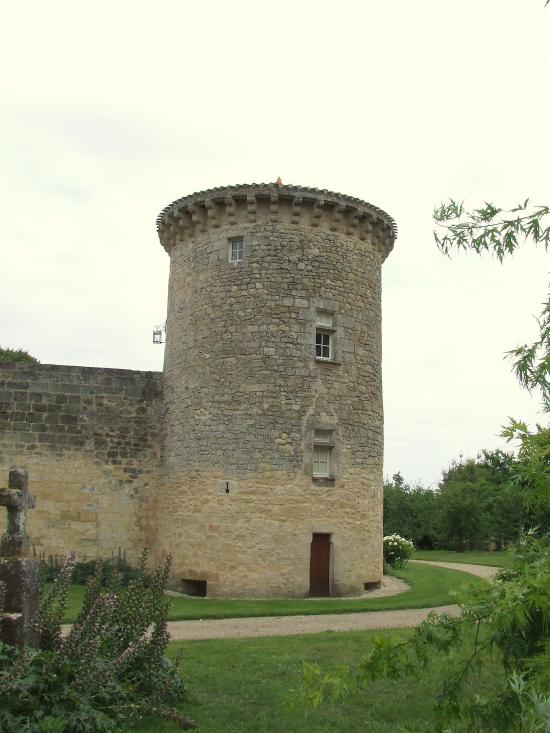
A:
x: 271, y: 479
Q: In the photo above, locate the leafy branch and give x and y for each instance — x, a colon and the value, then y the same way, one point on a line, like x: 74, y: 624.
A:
x: 490, y: 228
x: 500, y: 232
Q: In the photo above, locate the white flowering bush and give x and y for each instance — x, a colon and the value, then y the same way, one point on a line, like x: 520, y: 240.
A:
x: 397, y: 550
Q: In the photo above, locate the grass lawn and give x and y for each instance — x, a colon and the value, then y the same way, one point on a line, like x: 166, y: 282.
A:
x: 430, y: 587
x: 244, y: 686
x: 475, y: 557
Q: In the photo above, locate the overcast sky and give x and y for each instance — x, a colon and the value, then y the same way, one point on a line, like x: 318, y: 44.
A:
x: 110, y: 110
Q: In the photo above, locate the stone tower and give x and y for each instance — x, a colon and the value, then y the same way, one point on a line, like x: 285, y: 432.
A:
x: 271, y: 460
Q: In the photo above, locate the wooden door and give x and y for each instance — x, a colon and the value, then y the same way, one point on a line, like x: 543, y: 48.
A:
x: 319, y: 565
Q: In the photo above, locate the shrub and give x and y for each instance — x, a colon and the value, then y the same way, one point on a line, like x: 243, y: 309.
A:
x: 84, y: 570
x: 108, y: 669
x: 11, y: 355
x: 397, y: 550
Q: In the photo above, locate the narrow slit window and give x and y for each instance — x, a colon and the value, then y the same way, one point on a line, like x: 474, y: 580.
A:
x: 236, y: 248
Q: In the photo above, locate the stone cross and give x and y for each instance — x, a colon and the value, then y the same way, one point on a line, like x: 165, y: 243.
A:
x: 17, y: 500
x: 18, y: 571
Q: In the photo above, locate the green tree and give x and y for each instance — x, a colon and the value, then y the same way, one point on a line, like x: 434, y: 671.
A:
x: 410, y: 512
x: 424, y: 517
x: 462, y: 508
x: 531, y: 473
x: 478, y: 504
x: 506, y: 516
x: 396, y: 507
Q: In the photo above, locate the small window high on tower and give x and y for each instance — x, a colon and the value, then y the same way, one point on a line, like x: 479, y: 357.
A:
x: 324, y: 335
x: 236, y: 248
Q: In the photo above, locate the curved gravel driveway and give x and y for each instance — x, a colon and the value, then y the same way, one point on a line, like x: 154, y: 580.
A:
x: 232, y: 628
x: 487, y: 572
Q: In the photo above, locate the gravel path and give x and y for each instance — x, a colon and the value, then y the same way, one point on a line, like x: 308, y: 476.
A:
x: 482, y: 571
x: 232, y: 628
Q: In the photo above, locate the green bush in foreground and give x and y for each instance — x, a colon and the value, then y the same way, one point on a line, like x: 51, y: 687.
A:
x: 110, y: 668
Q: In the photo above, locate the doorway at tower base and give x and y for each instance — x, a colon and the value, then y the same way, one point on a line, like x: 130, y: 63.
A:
x: 315, y: 566
x: 271, y: 536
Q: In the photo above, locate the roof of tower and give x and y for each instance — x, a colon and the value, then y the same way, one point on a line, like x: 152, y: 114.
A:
x: 282, y: 190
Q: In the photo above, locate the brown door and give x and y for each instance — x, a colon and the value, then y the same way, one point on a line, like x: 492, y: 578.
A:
x: 319, y: 565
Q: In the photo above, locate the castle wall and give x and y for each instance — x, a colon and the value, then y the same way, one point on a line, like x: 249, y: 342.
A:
x: 214, y: 460
x: 244, y: 394
x: 89, y: 439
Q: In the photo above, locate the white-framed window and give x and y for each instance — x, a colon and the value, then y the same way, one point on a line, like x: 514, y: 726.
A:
x: 321, y: 461
x: 323, y: 447
x: 323, y: 344
x: 236, y: 248
x: 324, y: 335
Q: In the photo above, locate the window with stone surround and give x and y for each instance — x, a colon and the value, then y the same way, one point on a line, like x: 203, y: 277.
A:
x: 323, y: 447
x: 236, y: 248
x: 324, y: 335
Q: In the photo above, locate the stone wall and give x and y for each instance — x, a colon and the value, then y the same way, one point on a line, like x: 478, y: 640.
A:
x: 89, y: 439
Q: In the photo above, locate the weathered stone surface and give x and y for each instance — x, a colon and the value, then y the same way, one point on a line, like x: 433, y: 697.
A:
x: 243, y: 391
x: 17, y: 500
x: 90, y: 439
x: 20, y: 576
